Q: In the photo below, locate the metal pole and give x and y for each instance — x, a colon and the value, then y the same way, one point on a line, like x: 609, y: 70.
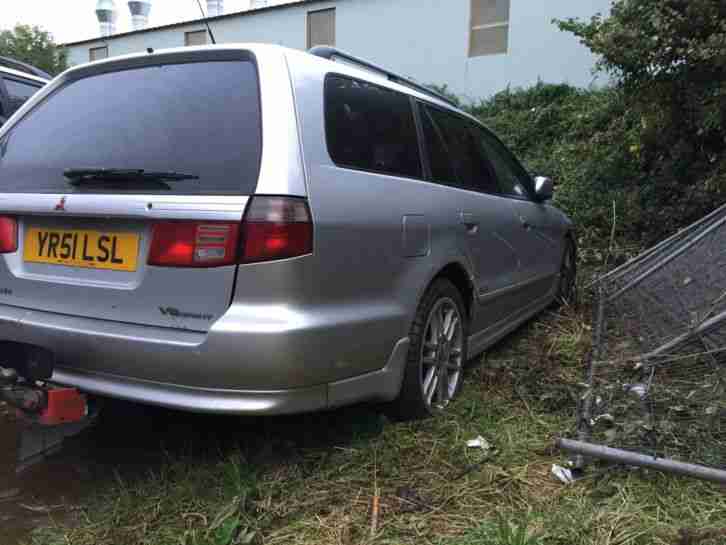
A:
x: 642, y: 460
x: 585, y: 413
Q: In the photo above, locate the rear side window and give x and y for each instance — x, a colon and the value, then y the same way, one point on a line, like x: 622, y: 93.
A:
x: 18, y: 92
x: 200, y: 118
x: 370, y: 128
x: 470, y: 165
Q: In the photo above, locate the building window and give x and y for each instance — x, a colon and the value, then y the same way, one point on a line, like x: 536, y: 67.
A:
x: 321, y: 27
x: 196, y: 37
x: 98, y: 53
x: 489, y: 31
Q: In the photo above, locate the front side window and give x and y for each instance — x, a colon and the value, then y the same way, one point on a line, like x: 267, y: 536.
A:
x: 370, y: 128
x: 472, y: 169
x: 513, y: 179
x: 489, y: 32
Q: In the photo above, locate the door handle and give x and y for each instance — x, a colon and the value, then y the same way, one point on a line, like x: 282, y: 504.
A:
x: 469, y: 221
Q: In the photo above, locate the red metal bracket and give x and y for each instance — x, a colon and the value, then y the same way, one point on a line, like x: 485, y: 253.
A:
x: 64, y: 406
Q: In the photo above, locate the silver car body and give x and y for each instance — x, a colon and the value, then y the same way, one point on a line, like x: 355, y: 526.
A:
x: 307, y: 333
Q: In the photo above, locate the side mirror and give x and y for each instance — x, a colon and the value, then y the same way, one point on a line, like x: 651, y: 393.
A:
x: 543, y: 188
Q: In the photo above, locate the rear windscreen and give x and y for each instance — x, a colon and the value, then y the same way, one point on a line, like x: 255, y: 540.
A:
x: 200, y: 118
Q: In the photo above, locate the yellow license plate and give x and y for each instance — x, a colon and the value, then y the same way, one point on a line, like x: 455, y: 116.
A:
x: 75, y: 248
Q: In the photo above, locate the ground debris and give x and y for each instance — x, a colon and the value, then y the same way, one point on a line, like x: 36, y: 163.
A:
x: 563, y: 474
x: 479, y: 442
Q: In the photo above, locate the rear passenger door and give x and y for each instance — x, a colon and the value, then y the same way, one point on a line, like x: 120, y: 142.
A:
x: 484, y: 221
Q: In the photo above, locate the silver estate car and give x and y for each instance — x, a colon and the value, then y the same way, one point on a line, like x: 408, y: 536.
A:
x: 250, y: 229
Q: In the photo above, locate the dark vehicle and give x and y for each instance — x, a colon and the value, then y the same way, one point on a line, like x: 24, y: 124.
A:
x: 18, y: 82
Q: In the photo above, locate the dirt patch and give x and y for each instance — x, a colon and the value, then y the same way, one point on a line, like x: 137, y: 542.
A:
x: 124, y: 443
x: 48, y: 491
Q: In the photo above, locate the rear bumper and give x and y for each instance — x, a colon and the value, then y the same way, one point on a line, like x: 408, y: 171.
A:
x: 288, y: 363
x: 197, y: 400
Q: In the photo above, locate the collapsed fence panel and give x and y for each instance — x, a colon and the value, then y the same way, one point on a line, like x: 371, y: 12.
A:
x: 656, y: 379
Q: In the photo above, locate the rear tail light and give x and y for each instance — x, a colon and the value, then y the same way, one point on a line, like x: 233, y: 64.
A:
x: 273, y: 228
x: 194, y: 244
x: 276, y: 228
x: 8, y: 235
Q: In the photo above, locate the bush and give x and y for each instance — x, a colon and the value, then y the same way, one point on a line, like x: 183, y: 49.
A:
x: 669, y: 59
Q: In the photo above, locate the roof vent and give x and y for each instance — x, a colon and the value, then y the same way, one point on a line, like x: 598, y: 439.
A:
x: 139, y: 13
x: 106, y: 14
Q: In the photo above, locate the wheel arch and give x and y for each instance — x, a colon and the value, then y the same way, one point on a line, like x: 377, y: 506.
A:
x: 458, y: 274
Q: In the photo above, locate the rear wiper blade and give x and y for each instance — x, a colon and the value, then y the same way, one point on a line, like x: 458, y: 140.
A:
x: 79, y: 175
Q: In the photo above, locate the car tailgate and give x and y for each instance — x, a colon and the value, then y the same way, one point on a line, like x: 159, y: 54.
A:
x: 86, y: 248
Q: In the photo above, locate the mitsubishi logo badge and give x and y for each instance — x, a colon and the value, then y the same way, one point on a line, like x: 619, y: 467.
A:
x: 61, y: 206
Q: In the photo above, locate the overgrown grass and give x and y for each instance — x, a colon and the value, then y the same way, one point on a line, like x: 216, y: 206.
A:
x: 312, y: 479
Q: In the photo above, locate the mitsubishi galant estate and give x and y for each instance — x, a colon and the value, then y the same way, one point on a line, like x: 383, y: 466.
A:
x: 251, y: 229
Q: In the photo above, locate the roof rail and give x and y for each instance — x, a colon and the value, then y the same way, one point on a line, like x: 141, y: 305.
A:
x: 23, y: 67
x: 330, y: 53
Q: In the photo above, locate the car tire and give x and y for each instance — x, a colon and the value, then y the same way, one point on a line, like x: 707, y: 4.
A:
x: 438, y: 349
x: 567, y: 286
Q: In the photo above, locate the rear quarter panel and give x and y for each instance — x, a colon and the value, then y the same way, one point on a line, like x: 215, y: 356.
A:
x: 361, y: 265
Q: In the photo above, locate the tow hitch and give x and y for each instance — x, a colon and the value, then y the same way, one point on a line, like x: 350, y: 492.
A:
x: 46, y: 415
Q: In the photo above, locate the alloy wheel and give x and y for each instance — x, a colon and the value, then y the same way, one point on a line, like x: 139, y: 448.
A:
x: 442, y: 354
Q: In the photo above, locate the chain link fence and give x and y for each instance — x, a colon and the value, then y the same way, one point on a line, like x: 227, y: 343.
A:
x: 656, y: 376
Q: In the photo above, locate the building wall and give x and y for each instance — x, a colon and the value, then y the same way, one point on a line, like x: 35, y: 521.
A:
x: 425, y: 39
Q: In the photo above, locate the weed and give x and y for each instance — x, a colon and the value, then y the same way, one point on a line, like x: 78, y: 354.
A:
x: 502, y: 532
